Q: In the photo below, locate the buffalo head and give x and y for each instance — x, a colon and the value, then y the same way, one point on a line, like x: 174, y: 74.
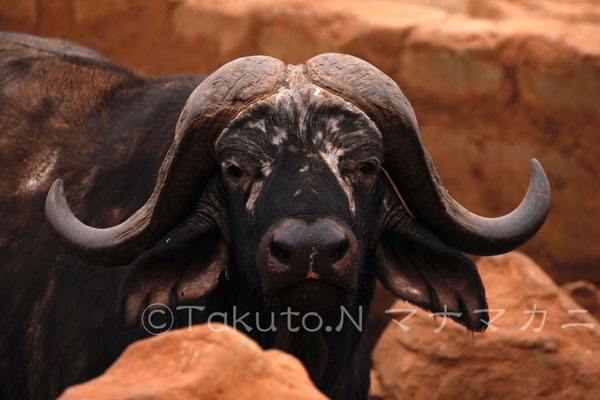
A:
x: 288, y: 179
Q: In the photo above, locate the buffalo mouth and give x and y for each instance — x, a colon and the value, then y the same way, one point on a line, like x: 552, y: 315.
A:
x: 311, y: 295
x: 308, y: 266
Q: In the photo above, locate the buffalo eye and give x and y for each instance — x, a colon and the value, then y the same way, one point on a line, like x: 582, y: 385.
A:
x: 365, y: 172
x: 234, y: 172
x: 368, y: 168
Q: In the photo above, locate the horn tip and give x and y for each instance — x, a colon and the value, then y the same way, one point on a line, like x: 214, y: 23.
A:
x: 57, y: 186
x: 535, y: 164
x: 55, y: 192
x: 538, y: 175
x: 540, y: 188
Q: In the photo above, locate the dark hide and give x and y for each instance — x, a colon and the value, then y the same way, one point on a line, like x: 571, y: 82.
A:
x: 104, y: 131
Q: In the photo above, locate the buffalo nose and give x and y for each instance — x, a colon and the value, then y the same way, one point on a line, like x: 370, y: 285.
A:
x: 308, y: 265
x: 315, y: 248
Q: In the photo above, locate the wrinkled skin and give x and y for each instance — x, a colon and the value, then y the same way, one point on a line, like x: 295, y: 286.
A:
x: 296, y: 212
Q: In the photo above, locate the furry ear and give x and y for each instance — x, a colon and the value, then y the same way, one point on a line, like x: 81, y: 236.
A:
x: 180, y: 269
x: 416, y: 266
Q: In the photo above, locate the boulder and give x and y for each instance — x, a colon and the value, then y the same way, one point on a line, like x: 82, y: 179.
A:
x: 510, y: 360
x: 376, y: 392
x: 206, y: 362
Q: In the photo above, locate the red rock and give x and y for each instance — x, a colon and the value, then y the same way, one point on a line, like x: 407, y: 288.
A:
x: 585, y: 294
x: 376, y: 391
x: 201, y: 363
x: 557, y: 362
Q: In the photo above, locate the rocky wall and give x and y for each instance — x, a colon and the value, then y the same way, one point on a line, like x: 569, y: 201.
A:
x: 493, y: 82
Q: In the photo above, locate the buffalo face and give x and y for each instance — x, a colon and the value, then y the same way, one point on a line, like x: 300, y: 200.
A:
x: 301, y: 173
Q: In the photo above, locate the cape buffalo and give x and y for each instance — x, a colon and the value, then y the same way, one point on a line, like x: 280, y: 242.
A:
x: 264, y: 188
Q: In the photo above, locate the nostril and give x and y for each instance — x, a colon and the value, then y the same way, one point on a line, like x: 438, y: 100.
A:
x: 280, y: 254
x: 339, y: 251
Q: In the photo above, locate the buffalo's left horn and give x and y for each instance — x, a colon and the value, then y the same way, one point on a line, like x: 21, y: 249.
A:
x: 184, y: 170
x: 412, y: 170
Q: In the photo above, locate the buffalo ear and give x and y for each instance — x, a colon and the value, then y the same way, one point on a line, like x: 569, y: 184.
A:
x: 175, y: 271
x: 416, y: 266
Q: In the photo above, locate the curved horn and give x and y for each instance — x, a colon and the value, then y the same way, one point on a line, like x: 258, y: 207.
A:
x: 412, y: 170
x: 184, y: 170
